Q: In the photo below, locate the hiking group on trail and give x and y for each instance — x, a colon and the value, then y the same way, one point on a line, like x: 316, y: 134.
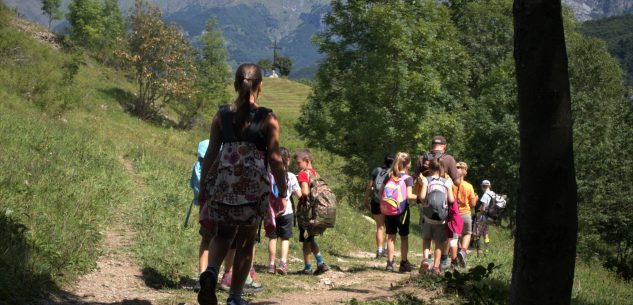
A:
x: 447, y: 202
x: 241, y: 182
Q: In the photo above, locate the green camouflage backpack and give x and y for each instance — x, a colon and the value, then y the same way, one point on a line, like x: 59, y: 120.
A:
x: 319, y: 212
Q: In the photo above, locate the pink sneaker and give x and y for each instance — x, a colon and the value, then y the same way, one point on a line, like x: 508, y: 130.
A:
x: 282, y: 269
x: 225, y: 283
x: 252, y: 273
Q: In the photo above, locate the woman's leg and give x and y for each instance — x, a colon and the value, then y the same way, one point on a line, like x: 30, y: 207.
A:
x: 228, y: 260
x: 203, y: 253
x: 242, y: 263
x: 380, y: 231
x: 218, y: 249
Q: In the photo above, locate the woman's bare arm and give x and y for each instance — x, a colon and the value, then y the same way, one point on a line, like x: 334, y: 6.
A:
x: 274, y: 157
x: 368, y: 193
x: 210, y: 156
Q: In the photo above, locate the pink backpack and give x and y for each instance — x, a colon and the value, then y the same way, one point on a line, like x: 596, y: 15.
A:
x: 394, y: 196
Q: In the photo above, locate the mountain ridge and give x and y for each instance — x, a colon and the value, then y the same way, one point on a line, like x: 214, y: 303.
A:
x: 250, y: 27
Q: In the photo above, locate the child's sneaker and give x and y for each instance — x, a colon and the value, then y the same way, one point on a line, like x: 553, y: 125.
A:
x: 282, y: 269
x: 251, y: 286
x: 322, y: 268
x: 445, y: 264
x: 405, y: 266
x: 390, y: 266
x: 379, y: 254
x: 436, y: 271
x: 486, y: 240
x: 271, y: 268
x: 461, y: 258
x: 252, y: 273
x: 225, y: 284
x: 206, y: 295
x: 306, y: 271
x: 455, y: 265
x: 426, y: 266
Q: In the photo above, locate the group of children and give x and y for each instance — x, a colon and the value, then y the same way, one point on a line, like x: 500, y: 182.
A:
x: 438, y: 187
x: 446, y: 202
x: 282, y: 219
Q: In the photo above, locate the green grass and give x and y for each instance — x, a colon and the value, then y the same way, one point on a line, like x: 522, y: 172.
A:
x: 69, y: 176
x: 61, y: 184
x: 592, y: 283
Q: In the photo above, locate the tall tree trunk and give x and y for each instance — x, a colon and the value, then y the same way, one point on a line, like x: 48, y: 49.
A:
x: 547, y: 216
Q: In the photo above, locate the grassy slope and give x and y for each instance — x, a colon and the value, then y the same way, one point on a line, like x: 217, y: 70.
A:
x: 68, y: 178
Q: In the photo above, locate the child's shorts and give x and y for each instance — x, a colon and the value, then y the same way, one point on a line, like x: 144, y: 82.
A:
x: 283, y: 229
x: 302, y: 233
x: 398, y: 223
x: 468, y: 224
x: 434, y: 230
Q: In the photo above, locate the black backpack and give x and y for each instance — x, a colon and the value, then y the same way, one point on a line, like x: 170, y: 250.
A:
x: 379, y: 183
x: 425, y: 160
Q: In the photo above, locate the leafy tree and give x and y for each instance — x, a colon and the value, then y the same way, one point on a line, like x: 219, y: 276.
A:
x: 265, y: 64
x: 86, y: 22
x: 212, y: 79
x: 283, y: 64
x: 617, y: 32
x: 162, y: 61
x: 113, y: 25
x: 50, y: 8
x: 392, y: 77
x: 96, y: 25
x: 599, y: 92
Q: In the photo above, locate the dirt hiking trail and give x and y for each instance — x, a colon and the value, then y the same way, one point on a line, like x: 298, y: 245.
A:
x: 118, y: 279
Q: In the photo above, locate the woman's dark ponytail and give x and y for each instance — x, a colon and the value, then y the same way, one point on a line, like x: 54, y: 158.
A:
x: 248, y: 77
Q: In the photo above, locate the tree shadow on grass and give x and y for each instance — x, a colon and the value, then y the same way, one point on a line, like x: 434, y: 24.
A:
x: 154, y: 279
x: 19, y: 281
x: 127, y: 101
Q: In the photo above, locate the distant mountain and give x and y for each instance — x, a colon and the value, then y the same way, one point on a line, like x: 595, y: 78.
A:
x: 596, y: 9
x: 251, y: 26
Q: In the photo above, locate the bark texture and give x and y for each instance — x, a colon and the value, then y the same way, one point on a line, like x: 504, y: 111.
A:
x: 547, y: 216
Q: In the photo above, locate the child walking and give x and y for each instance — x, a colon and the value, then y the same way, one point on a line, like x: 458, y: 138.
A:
x: 303, y: 160
x: 436, y: 195
x: 283, y: 220
x: 396, y: 192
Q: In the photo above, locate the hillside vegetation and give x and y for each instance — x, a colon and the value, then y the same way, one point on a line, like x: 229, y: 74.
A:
x: 617, y: 32
x: 72, y: 170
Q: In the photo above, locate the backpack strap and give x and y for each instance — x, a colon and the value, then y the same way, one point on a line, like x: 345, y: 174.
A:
x: 254, y: 132
x: 227, y: 130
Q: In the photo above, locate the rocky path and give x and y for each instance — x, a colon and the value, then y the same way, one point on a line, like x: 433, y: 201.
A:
x: 118, y: 279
